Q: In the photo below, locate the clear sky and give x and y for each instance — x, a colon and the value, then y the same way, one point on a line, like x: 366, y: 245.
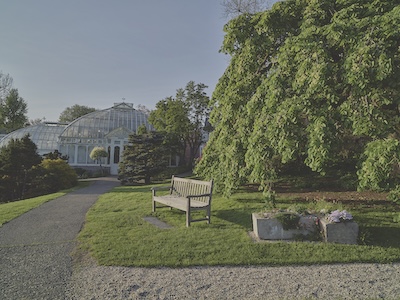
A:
x: 96, y: 52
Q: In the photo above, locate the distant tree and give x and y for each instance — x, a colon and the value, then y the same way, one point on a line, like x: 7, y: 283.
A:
x: 17, y: 161
x: 6, y: 83
x: 74, y: 112
x: 234, y: 8
x: 97, y: 154
x: 171, y: 118
x: 13, y: 112
x: 36, y: 121
x: 183, y: 119
x: 55, y: 155
x: 144, y: 157
x: 143, y: 109
x: 142, y: 129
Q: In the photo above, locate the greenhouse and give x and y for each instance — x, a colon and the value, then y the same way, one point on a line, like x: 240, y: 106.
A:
x: 109, y: 128
x: 44, y: 135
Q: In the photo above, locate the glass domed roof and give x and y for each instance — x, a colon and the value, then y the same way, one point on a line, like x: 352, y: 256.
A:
x: 98, y: 124
x: 44, y: 135
x: 77, y: 138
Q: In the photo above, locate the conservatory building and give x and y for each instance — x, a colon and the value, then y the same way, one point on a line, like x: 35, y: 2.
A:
x: 109, y: 128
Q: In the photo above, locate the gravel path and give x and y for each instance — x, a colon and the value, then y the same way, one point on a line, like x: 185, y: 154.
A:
x: 35, y: 248
x: 350, y: 281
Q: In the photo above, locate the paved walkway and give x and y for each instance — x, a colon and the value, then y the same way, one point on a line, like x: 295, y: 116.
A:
x: 35, y: 248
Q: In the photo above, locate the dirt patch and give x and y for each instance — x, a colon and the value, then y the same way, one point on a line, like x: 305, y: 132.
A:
x: 347, y: 196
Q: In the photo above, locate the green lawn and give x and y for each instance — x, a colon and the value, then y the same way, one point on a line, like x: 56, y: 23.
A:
x: 11, y: 210
x: 116, y: 234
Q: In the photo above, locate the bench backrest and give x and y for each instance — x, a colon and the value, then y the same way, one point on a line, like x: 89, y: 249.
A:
x: 186, y: 187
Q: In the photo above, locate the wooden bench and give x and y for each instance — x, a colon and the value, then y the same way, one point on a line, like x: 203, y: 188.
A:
x: 187, y: 195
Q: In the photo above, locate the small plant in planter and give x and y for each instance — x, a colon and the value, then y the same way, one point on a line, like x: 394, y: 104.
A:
x: 289, y: 220
x: 283, y: 224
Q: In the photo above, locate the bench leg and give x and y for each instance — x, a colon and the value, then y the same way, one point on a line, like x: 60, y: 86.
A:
x: 208, y: 215
x: 188, y: 218
x: 153, y: 204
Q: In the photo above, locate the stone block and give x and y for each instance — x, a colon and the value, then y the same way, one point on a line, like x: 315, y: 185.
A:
x: 271, y: 228
x: 342, y: 233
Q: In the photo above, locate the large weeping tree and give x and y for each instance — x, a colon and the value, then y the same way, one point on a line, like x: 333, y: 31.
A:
x: 312, y: 81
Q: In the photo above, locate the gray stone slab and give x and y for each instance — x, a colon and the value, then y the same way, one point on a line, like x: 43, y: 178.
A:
x: 341, y: 233
x: 272, y: 229
x: 157, y: 222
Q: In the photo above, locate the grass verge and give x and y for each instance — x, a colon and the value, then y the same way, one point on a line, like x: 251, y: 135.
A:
x: 11, y: 210
x: 116, y: 234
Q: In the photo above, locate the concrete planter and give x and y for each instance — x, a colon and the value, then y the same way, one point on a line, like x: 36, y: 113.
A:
x: 341, y: 233
x: 271, y: 229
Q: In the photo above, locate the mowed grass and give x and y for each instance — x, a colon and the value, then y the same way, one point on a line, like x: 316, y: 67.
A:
x: 116, y: 234
x: 11, y: 210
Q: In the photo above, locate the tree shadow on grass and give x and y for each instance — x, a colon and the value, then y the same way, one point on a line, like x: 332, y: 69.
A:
x: 132, y: 189
x: 381, y: 236
x: 250, y: 200
x: 239, y: 217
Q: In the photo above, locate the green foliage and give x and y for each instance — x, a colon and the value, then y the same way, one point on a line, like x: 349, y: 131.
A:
x: 307, y: 81
x: 380, y: 169
x: 144, y: 157
x: 23, y: 174
x: 55, y: 155
x: 270, y: 199
x: 74, y: 112
x: 142, y: 129
x: 396, y: 218
x: 364, y: 236
x: 288, y: 220
x: 17, y: 162
x: 183, y: 119
x: 98, y: 153
x: 82, y: 173
x: 167, y: 173
x: 13, y: 111
x: 6, y: 82
x: 394, y: 195
x: 58, y: 175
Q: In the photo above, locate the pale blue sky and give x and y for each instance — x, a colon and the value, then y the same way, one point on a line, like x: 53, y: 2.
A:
x: 96, y: 52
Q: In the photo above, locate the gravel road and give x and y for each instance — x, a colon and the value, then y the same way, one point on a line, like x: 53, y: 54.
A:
x: 35, y: 261
x: 342, y: 281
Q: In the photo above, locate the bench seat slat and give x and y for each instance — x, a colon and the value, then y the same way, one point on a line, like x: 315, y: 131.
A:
x: 179, y: 202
